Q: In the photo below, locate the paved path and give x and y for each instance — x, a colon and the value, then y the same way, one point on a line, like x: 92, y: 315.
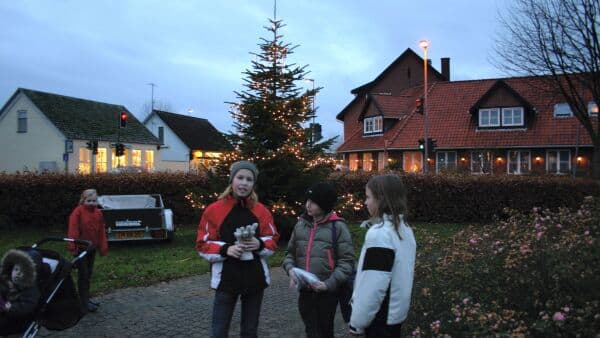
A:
x: 183, y: 308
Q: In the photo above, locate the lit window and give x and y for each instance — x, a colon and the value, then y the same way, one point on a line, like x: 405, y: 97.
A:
x: 413, y: 161
x: 592, y: 108
x: 489, y: 117
x: 119, y: 161
x: 136, y: 158
x: 367, y: 161
x: 512, y: 116
x: 84, y: 161
x: 149, y: 160
x: 519, y: 162
x: 101, y: 160
x: 21, y: 121
x: 353, y: 162
x: 562, y: 110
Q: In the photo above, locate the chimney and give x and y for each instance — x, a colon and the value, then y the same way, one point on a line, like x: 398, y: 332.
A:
x: 446, y: 68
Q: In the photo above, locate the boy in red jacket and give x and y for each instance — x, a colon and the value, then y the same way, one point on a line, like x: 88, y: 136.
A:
x: 86, y: 223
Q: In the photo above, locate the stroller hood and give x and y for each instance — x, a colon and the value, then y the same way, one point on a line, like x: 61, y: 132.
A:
x: 20, y: 257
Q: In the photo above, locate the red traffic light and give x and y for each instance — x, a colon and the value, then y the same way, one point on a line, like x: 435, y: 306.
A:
x: 123, y: 120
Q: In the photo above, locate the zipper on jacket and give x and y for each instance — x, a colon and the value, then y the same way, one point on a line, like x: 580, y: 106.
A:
x: 311, y: 237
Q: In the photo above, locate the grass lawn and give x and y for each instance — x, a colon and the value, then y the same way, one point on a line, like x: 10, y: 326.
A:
x: 146, y: 263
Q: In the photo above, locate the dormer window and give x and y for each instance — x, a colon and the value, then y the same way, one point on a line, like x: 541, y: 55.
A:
x: 592, y: 108
x: 373, y: 125
x: 562, y: 110
x: 501, y: 117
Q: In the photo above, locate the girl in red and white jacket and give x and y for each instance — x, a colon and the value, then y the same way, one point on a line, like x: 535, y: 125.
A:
x: 238, y: 267
x: 86, y: 223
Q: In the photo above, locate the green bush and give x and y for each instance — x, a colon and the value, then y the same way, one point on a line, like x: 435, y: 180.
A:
x: 532, y: 274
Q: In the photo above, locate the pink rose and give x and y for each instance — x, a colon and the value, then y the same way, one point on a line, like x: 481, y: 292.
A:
x: 558, y: 317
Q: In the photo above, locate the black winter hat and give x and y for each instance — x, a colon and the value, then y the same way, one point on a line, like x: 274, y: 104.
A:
x: 324, y: 195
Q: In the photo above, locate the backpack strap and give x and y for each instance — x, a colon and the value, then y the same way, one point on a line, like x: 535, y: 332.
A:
x: 334, y: 239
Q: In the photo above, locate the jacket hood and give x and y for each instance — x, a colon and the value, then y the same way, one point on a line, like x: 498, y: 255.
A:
x: 20, y: 257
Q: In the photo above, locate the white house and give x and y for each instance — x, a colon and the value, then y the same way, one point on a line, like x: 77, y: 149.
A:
x: 187, y: 143
x: 49, y: 132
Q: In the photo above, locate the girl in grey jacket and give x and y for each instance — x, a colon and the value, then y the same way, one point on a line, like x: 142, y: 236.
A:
x: 313, y: 249
x: 384, y: 277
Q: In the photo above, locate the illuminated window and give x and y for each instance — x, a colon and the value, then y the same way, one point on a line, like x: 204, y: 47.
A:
x: 367, y: 161
x: 519, y: 162
x: 149, y: 165
x: 353, y: 161
x: 136, y: 158
x: 101, y: 161
x: 84, y: 161
x: 592, y: 108
x: 413, y: 161
x: 120, y: 161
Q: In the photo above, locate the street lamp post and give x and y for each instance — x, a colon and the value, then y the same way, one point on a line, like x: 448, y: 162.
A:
x: 425, y: 44
x: 312, y: 125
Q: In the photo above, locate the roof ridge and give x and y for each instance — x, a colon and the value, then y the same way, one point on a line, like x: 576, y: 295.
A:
x: 68, y: 97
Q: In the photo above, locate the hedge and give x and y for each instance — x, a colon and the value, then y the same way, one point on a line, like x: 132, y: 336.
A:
x: 47, y: 199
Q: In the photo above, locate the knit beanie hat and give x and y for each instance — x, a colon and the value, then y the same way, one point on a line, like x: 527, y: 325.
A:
x: 235, y: 167
x: 324, y: 195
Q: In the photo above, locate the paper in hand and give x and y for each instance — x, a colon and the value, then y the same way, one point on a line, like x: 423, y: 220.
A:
x: 305, y: 278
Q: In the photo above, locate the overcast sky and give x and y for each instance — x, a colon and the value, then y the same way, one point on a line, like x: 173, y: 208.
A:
x: 195, y: 51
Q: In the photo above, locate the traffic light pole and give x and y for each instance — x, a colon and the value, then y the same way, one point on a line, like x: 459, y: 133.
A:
x: 426, y: 126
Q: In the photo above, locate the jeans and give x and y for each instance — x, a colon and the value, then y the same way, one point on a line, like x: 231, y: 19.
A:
x: 223, y: 311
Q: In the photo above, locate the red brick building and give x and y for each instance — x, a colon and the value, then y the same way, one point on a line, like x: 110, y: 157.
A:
x: 517, y: 125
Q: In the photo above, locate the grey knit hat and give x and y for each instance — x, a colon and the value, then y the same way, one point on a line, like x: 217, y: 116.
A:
x: 243, y: 165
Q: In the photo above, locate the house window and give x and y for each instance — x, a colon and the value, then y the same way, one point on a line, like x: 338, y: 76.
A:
x: 136, y: 158
x: 489, y: 117
x: 413, y: 161
x: 84, y: 161
x: 481, y: 162
x: 519, y: 162
x: 446, y: 160
x: 592, y: 108
x: 101, y: 161
x: 562, y: 110
x: 367, y: 161
x: 558, y: 161
x: 21, y: 121
x: 373, y: 125
x: 161, y: 135
x: 149, y: 160
x: 120, y: 161
x: 512, y: 116
x: 353, y: 162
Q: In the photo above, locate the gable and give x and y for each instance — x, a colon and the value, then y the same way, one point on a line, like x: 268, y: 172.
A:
x: 196, y: 133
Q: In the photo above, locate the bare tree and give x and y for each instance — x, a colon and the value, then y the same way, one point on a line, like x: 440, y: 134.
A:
x: 557, y: 39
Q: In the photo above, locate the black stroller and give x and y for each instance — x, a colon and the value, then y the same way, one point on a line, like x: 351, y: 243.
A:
x: 59, y: 306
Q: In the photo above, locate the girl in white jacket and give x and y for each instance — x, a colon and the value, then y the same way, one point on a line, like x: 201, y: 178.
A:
x: 384, y: 277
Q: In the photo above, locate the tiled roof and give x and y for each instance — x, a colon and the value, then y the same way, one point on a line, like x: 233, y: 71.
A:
x: 454, y: 127
x: 80, y: 119
x: 196, y: 133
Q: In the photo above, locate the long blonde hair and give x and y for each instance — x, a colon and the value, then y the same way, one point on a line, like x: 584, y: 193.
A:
x: 87, y: 193
x: 390, y: 193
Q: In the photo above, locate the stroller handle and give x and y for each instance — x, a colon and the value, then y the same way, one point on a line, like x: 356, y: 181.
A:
x: 87, y: 244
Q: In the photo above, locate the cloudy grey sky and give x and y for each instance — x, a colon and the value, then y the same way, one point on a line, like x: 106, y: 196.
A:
x: 195, y: 51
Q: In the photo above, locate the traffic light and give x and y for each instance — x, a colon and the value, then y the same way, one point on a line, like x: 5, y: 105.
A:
x: 123, y: 120
x: 431, y: 145
x: 89, y: 145
x: 421, y: 144
x: 120, y: 149
x: 419, y: 105
x: 95, y: 147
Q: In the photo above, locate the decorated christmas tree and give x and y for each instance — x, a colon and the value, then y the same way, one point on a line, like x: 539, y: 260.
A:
x: 271, y: 119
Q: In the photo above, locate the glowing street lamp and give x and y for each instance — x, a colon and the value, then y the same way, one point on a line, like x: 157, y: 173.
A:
x: 425, y: 45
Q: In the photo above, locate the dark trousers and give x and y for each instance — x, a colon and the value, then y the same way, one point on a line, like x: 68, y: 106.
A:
x: 317, y: 310
x: 84, y: 267
x: 223, y: 311
x: 382, y: 330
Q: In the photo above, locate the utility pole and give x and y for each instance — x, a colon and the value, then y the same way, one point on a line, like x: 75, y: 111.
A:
x: 152, y: 96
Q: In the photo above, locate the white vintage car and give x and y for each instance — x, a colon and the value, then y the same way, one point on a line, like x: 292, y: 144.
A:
x: 136, y: 217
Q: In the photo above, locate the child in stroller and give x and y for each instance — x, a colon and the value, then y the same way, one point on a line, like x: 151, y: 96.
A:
x: 19, y: 292
x: 51, y: 300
